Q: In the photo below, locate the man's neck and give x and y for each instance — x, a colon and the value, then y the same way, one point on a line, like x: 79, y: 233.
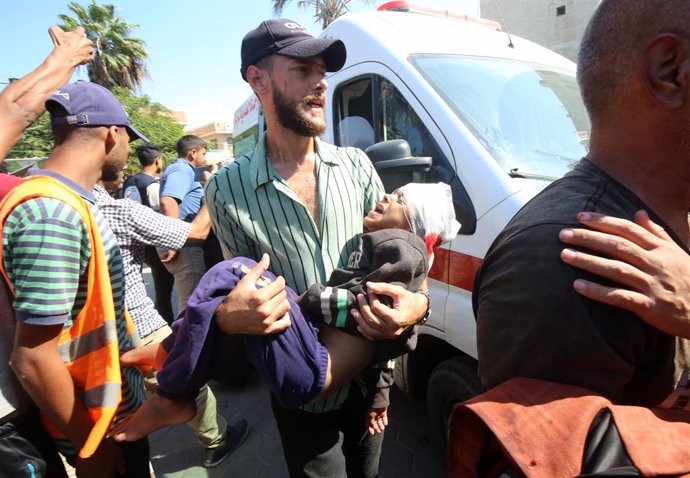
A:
x: 150, y: 171
x: 75, y: 165
x: 656, y: 176
x: 286, y: 146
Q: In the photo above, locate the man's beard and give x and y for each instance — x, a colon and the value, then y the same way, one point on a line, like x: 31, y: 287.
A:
x: 291, y: 117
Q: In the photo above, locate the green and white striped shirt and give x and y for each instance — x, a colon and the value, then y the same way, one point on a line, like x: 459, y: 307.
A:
x: 254, y: 211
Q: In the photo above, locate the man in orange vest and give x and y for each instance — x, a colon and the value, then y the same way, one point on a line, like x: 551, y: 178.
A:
x: 25, y: 447
x: 62, y: 264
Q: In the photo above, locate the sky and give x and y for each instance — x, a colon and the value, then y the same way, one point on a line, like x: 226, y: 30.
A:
x: 194, y: 46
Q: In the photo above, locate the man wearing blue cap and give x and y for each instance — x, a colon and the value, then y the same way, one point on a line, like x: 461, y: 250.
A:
x: 61, y: 261
x: 302, y: 201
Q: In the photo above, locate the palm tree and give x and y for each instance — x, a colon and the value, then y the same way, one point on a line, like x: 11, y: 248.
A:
x: 119, y: 60
x: 325, y: 10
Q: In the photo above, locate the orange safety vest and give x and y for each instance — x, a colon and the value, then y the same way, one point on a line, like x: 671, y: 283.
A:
x: 89, y: 347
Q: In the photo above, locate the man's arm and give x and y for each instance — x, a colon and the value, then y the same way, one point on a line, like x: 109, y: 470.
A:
x: 170, y: 207
x: 201, y: 225
x: 652, y: 270
x: 39, y: 368
x: 21, y: 102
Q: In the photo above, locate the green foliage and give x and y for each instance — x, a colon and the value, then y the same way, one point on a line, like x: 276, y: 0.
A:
x: 119, y: 60
x: 325, y: 11
x: 36, y: 142
x: 152, y: 119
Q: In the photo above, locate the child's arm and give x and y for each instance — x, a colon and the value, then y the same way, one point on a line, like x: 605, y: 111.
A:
x: 377, y: 420
x: 377, y: 380
x: 390, y: 255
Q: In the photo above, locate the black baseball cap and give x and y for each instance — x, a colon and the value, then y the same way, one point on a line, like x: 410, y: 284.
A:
x: 289, y: 38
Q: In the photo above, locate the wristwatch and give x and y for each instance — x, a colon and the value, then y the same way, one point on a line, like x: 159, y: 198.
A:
x: 428, y: 306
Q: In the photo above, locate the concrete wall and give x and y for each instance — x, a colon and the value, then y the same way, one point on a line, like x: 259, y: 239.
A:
x: 537, y: 20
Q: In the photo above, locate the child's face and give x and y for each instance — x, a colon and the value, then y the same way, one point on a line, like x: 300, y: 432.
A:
x: 390, y: 212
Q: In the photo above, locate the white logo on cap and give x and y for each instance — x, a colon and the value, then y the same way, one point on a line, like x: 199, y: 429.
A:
x: 295, y: 27
x: 64, y: 95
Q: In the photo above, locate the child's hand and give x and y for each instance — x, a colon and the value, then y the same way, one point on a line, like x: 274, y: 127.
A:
x: 377, y: 420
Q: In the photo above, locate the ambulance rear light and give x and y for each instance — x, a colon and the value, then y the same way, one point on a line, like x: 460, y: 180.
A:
x: 402, y: 6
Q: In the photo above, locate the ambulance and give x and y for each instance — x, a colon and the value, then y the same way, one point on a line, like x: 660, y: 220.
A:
x: 495, y: 116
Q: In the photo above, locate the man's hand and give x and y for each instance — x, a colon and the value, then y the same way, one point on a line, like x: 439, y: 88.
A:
x: 652, y: 270
x: 107, y: 462
x: 250, y: 310
x: 73, y: 47
x: 378, y: 321
x: 166, y: 255
x: 377, y: 420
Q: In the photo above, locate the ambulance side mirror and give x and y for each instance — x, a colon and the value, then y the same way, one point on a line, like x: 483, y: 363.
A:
x: 394, y: 156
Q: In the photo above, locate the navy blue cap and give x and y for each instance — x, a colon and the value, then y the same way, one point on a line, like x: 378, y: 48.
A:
x: 289, y: 38
x: 88, y: 104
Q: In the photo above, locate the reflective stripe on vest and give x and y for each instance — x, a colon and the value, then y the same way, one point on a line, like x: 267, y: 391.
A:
x: 83, y: 344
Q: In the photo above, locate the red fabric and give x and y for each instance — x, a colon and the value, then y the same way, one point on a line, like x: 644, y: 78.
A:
x: 7, y: 182
x: 542, y: 426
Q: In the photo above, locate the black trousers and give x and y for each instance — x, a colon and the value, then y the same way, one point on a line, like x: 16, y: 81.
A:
x: 26, y: 449
x: 136, y: 455
x: 163, y: 282
x: 333, y: 444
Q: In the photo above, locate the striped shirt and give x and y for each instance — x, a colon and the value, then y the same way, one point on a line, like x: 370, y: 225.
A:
x: 46, y: 251
x: 254, y: 211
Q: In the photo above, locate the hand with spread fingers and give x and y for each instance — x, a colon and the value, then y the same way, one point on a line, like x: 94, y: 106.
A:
x: 73, y: 47
x: 652, y: 270
x: 255, y: 311
x: 22, y: 101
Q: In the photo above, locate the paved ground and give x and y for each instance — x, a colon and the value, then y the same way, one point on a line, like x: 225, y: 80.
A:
x: 407, y: 450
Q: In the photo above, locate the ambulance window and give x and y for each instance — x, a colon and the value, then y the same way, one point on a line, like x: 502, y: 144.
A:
x: 354, y: 117
x: 400, y: 121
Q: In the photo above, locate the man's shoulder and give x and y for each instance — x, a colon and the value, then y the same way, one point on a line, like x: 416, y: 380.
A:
x: 57, y: 219
x: 176, y: 166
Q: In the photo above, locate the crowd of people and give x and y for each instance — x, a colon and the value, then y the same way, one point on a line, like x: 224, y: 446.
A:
x: 324, y: 276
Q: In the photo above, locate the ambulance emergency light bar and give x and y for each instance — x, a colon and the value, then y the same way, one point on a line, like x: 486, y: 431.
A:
x: 402, y: 6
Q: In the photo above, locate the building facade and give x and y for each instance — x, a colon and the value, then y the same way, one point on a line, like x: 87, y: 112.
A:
x: 218, y: 136
x: 555, y: 24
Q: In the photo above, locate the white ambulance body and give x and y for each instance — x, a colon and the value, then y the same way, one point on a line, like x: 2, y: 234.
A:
x: 500, y: 118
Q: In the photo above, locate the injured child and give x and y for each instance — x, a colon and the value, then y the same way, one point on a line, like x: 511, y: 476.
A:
x: 322, y: 349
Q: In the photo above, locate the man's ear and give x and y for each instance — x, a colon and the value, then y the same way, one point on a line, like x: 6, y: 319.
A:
x: 666, y: 63
x: 257, y: 79
x: 111, y: 138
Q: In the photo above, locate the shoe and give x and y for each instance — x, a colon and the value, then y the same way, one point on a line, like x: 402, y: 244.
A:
x: 234, y: 436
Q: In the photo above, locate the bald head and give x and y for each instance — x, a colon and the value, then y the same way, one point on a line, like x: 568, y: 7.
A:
x: 616, y: 35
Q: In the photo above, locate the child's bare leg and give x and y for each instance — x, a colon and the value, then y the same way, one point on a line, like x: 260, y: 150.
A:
x: 347, y: 356
x: 152, y: 355
x: 156, y: 412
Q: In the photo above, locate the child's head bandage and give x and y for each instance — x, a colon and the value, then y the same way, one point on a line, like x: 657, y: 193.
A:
x: 431, y: 213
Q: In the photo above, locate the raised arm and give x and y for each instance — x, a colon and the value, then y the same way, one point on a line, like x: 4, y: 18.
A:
x: 21, y: 102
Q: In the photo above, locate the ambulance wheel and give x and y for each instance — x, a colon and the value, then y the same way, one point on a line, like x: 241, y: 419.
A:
x: 451, y: 382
